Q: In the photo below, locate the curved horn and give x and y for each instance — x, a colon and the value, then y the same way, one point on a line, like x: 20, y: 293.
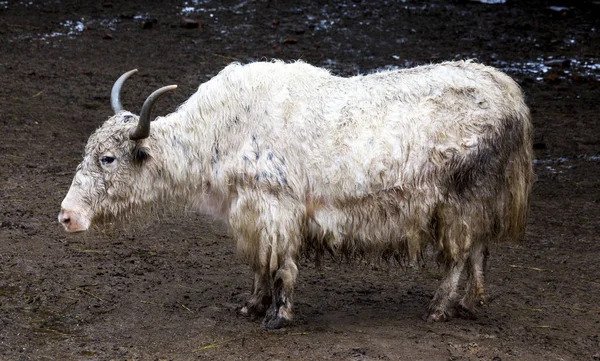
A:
x: 115, y: 93
x: 142, y: 130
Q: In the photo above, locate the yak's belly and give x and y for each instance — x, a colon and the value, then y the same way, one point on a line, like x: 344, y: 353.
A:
x: 371, y: 227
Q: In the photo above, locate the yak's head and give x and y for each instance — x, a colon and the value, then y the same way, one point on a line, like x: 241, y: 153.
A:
x: 107, y: 181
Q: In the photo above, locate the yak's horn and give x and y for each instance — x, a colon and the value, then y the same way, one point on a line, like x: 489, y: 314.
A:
x: 115, y: 93
x: 142, y: 130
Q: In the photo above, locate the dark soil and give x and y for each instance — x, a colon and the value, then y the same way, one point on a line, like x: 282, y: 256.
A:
x: 171, y: 291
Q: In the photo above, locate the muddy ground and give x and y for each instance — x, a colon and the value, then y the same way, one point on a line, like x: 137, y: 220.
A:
x: 170, y: 291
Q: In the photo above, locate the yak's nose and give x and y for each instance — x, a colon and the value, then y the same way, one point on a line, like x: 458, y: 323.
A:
x: 73, y: 219
x: 64, y: 218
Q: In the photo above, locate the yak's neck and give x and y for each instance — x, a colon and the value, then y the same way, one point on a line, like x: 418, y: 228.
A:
x: 185, y: 159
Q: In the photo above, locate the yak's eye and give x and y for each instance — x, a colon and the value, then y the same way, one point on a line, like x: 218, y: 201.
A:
x: 106, y: 159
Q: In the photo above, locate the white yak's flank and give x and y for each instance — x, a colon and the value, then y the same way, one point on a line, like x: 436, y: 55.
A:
x: 291, y: 156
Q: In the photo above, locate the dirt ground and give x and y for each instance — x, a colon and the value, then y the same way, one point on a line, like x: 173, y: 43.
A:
x: 170, y: 291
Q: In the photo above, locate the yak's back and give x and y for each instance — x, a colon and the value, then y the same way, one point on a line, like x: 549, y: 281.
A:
x: 446, y: 124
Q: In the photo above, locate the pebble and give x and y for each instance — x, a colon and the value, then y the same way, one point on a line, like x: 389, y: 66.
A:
x: 190, y: 23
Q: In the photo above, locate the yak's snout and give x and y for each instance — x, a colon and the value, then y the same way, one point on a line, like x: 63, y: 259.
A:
x: 72, y: 221
x: 75, y: 214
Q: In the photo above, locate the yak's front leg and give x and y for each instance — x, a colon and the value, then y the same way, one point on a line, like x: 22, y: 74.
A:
x: 260, y: 298
x: 283, y: 271
x: 268, y: 234
x: 252, y: 248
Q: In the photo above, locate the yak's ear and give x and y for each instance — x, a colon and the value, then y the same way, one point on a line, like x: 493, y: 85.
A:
x: 140, y: 155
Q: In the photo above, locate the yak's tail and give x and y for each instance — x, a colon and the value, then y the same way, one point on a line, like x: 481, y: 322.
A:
x: 519, y: 180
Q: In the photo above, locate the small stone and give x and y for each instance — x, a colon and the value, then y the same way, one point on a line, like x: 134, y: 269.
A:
x: 290, y: 41
x: 552, y: 77
x: 558, y: 63
x: 560, y: 9
x: 147, y: 24
x: 538, y: 141
x: 190, y: 23
x: 107, y: 36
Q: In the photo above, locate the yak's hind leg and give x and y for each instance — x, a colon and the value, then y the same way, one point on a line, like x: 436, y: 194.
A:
x: 442, y: 305
x: 474, y: 292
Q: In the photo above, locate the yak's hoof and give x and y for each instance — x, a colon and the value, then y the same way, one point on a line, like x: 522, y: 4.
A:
x: 252, y: 311
x: 436, y: 316
x: 466, y: 312
x: 274, y: 323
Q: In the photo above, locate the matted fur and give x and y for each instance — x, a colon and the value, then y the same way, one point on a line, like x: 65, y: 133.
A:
x: 292, y: 156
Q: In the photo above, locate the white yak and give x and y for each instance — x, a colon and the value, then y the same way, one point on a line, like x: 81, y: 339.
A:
x: 293, y: 158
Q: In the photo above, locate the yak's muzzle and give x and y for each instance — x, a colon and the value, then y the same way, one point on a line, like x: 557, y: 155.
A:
x: 72, y: 221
